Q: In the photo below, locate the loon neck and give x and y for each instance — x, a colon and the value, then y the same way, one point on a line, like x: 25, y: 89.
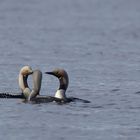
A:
x: 63, y: 83
x: 27, y: 93
x: 23, y: 82
x: 60, y: 93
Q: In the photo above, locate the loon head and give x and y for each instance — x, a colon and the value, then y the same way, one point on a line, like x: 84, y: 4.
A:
x: 62, y: 75
x: 26, y: 70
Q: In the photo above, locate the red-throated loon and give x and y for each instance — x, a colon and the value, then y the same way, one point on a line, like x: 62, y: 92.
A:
x: 22, y: 80
x: 62, y: 75
x: 33, y: 95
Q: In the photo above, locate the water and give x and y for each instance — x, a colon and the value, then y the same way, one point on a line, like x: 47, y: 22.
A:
x: 97, y: 42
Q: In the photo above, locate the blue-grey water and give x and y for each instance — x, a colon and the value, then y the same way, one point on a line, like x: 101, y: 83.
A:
x: 97, y: 42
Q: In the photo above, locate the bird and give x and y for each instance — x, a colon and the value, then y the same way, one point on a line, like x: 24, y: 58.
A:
x: 26, y: 92
x: 34, y: 96
x: 63, y: 78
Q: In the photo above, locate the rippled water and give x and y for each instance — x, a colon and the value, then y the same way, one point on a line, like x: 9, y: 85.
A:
x: 97, y: 42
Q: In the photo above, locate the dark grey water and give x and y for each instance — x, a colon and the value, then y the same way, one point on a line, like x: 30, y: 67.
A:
x: 97, y: 42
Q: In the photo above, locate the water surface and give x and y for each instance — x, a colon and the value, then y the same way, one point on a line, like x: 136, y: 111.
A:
x: 97, y: 42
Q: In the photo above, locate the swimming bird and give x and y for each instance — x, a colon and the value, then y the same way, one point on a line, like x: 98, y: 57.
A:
x: 62, y: 75
x: 34, y: 96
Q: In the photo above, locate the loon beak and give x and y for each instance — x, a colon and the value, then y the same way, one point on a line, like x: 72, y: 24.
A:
x: 51, y: 73
x: 31, y: 72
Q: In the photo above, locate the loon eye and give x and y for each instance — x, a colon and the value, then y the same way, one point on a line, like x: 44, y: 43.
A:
x: 60, y: 77
x: 57, y: 73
